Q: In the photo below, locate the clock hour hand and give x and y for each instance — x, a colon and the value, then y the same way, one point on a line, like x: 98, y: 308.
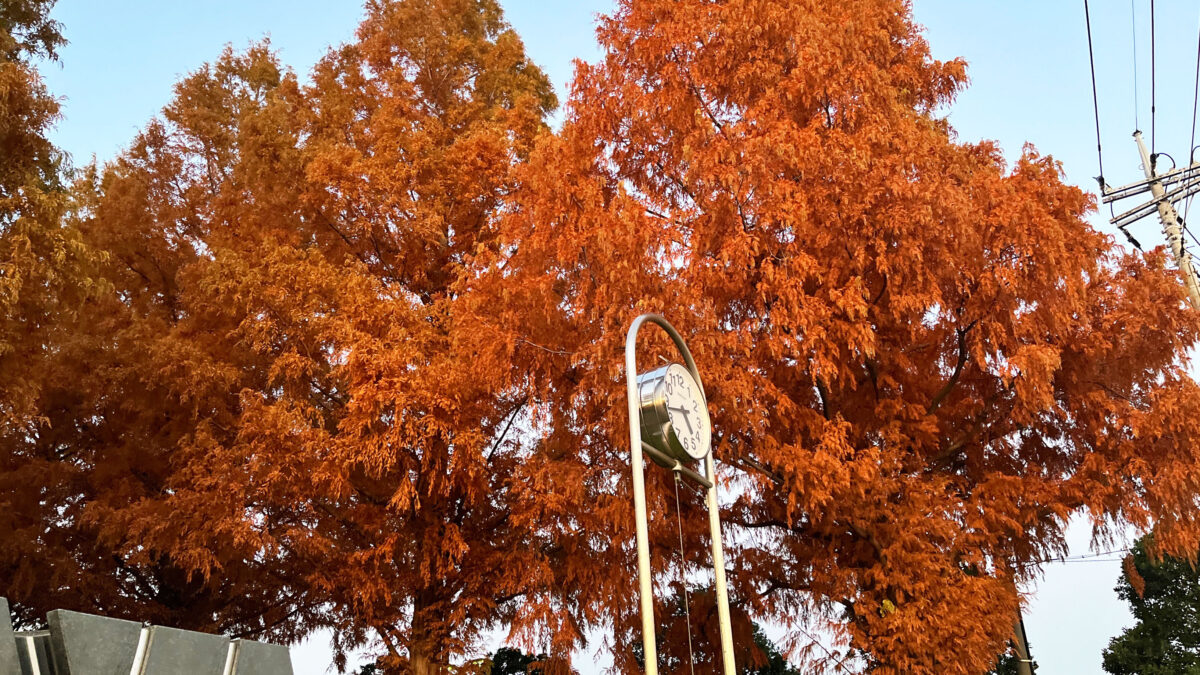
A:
x: 687, y: 417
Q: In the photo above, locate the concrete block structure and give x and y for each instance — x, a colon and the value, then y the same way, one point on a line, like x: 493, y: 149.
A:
x: 8, y: 643
x: 93, y: 645
x: 85, y: 644
x: 250, y: 657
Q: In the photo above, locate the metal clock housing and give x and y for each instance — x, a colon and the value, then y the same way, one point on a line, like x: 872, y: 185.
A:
x: 674, y: 414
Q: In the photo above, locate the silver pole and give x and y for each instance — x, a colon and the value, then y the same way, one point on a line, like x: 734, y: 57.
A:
x: 718, y: 554
x: 639, y: 501
x: 645, y: 588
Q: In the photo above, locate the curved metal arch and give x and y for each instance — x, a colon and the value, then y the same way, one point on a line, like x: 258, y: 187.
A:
x: 645, y: 586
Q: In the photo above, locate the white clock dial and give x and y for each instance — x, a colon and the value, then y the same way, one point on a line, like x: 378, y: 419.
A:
x: 687, y: 412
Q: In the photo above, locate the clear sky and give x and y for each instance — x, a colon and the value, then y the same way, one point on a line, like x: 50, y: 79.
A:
x: 1028, y: 63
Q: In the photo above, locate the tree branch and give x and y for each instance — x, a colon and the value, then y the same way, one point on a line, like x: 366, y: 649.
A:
x: 963, y: 355
x: 512, y: 416
x: 824, y: 394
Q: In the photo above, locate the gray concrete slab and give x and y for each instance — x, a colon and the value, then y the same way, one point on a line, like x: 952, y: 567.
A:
x: 93, y: 645
x: 8, y: 644
x: 260, y: 658
x: 36, y: 653
x: 25, y: 655
x: 183, y: 652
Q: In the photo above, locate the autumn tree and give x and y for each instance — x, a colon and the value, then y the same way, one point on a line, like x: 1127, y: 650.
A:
x: 46, y: 274
x: 921, y: 361
x: 279, y: 427
x: 357, y: 358
x: 31, y: 201
x: 120, y: 399
x: 688, y: 640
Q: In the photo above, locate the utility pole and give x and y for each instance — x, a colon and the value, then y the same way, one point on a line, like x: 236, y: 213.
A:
x: 1171, y: 222
x: 1020, y: 643
x: 1024, y: 660
x: 1182, y: 183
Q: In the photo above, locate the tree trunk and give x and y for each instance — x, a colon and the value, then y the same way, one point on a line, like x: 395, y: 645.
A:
x: 419, y: 663
x: 423, y: 645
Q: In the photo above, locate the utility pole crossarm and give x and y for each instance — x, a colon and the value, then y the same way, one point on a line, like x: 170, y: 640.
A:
x: 1137, y: 213
x: 1172, y: 224
x: 1108, y: 194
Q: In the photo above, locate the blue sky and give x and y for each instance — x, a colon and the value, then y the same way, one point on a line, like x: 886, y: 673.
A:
x: 1029, y: 83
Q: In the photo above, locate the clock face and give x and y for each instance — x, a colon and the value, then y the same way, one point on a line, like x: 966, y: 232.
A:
x: 687, y: 412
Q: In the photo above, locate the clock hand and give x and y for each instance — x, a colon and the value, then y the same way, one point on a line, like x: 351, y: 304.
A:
x: 687, y: 417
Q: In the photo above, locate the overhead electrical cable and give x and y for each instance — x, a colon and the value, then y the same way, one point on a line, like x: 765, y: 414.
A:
x: 1086, y: 557
x: 1192, y: 142
x: 1195, y: 97
x: 1133, y: 21
x: 1096, y: 100
x: 1153, y: 80
x: 1185, y: 229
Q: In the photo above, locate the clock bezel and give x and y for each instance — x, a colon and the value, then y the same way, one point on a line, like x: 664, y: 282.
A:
x: 656, y: 425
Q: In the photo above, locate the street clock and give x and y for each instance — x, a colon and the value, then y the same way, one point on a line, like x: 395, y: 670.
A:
x: 674, y: 414
x: 668, y: 420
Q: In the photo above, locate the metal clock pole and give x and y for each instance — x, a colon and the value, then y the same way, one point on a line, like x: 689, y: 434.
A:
x: 636, y: 447
x: 718, y: 554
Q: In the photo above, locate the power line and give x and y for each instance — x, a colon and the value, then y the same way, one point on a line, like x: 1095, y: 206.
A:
x: 1195, y: 98
x: 1087, y: 14
x: 1096, y: 100
x: 1192, y: 143
x: 1085, y: 557
x: 1153, y: 81
x: 1133, y: 22
x: 1185, y: 229
x: 1155, y: 183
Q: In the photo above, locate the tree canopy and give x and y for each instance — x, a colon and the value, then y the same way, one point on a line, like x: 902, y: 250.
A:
x: 26, y: 29
x: 46, y: 275
x: 921, y: 360
x: 346, y: 352
x: 1164, y: 595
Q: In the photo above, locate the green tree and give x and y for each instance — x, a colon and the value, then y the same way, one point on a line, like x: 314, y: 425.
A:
x: 1165, y: 598
x: 754, y: 652
x: 776, y: 662
x: 1007, y: 664
x: 509, y: 661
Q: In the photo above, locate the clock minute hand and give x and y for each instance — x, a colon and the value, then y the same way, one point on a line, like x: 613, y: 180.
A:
x: 687, y: 417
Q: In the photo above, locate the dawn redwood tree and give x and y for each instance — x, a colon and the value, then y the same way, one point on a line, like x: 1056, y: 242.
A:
x: 283, y: 397
x: 360, y: 365
x: 409, y: 137
x: 45, y: 273
x: 33, y: 245
x: 921, y: 361
x: 26, y: 30
x: 126, y: 394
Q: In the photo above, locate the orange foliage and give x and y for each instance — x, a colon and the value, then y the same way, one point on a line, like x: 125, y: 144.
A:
x: 275, y: 428
x: 920, y: 362
x: 355, y: 356
x: 45, y: 275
